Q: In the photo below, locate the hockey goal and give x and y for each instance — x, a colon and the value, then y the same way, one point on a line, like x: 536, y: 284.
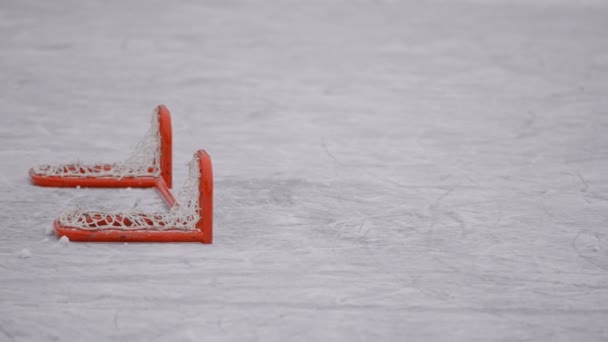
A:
x: 150, y: 160
x: 190, y: 217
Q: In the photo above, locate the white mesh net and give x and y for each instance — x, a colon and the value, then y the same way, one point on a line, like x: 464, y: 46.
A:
x: 144, y: 161
x: 183, y: 215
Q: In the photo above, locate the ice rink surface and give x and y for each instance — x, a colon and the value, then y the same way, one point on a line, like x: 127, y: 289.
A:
x: 385, y: 170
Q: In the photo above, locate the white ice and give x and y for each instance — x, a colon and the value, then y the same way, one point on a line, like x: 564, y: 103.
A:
x: 385, y: 170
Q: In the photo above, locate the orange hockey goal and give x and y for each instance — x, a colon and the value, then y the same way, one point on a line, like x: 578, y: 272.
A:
x: 150, y: 160
x: 189, y: 219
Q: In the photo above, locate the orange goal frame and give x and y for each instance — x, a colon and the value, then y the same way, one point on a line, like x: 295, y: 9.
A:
x: 165, y: 132
x: 203, y: 231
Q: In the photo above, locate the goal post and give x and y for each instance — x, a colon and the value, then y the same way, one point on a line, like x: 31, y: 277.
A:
x: 190, y: 216
x: 151, y: 159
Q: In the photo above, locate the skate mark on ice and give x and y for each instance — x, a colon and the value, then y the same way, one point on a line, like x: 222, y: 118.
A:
x: 6, y: 333
x: 592, y: 247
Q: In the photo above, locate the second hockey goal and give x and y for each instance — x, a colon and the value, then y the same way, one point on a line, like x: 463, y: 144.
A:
x: 151, y: 159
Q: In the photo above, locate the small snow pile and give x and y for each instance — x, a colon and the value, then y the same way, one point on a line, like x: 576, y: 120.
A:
x: 64, y: 241
x: 25, y: 254
x: 49, y: 230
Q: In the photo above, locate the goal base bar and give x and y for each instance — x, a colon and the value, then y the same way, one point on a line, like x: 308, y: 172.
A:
x: 141, y: 235
x: 91, y: 182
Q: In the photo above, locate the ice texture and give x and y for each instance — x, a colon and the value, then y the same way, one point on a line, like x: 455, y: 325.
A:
x: 385, y: 170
